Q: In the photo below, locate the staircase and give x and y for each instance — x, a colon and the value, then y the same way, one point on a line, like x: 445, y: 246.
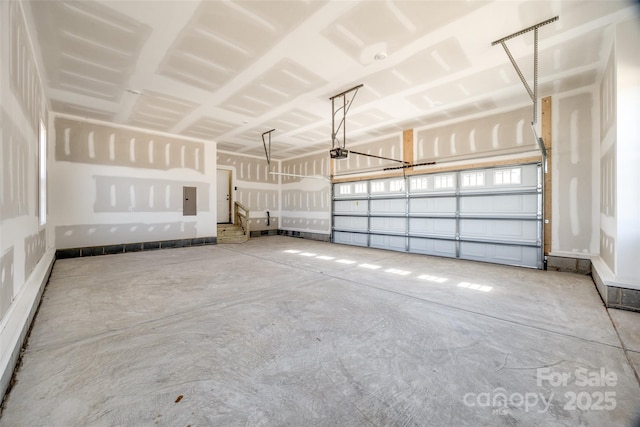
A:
x: 229, y: 233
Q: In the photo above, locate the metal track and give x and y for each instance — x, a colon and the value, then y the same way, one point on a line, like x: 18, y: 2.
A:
x: 267, y: 152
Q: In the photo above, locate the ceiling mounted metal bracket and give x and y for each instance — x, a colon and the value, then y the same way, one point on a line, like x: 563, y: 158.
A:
x: 267, y: 151
x: 540, y: 142
x: 336, y: 144
x: 533, y: 93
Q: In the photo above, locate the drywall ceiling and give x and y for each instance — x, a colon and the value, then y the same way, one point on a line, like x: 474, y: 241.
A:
x: 226, y: 71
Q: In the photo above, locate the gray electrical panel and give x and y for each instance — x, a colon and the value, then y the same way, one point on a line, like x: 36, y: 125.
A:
x: 189, y: 201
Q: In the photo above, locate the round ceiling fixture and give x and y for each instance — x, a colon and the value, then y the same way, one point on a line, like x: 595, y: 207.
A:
x: 380, y: 56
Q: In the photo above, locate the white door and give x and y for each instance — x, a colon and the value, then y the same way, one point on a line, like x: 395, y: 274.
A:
x: 224, y: 195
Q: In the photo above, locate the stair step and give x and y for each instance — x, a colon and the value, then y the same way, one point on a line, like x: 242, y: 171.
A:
x: 229, y: 233
x: 232, y: 239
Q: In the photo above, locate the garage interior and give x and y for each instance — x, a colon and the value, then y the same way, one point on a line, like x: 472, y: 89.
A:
x: 375, y: 213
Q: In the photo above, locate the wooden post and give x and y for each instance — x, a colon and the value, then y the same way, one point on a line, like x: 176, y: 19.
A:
x: 407, y: 147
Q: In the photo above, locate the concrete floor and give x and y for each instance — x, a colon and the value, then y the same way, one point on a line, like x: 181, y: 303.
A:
x: 285, y: 331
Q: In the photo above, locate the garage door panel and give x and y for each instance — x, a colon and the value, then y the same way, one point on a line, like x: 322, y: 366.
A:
x: 394, y: 243
x: 432, y: 205
x: 355, y: 239
x: 432, y: 226
x: 350, y: 206
x: 502, y: 254
x: 499, y: 204
x: 350, y: 223
x: 496, y: 229
x: 490, y: 214
x: 388, y: 225
x: 432, y: 247
x: 388, y: 206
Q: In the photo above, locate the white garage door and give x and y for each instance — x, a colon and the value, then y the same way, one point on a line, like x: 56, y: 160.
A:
x: 492, y: 215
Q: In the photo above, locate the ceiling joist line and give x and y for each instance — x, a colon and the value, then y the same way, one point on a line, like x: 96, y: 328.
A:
x: 267, y: 151
x: 533, y: 93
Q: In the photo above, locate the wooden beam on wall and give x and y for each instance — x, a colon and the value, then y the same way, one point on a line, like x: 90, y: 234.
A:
x: 407, y: 147
x: 546, y: 124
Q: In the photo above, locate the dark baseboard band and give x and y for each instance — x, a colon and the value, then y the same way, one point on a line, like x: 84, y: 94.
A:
x: 569, y: 265
x: 615, y: 296
x: 623, y: 298
x: 133, y: 247
x: 179, y: 243
x: 260, y: 233
x: 305, y: 235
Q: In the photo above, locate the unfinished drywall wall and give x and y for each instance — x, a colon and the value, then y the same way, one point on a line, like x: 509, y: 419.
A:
x: 124, y: 194
x: 25, y: 258
x: 122, y: 185
x: 255, y: 187
x: 89, y: 143
x: 616, y: 268
x: 389, y: 146
x: 608, y: 196
x: 497, y: 134
x: 6, y: 280
x: 574, y: 229
x: 15, y: 167
x: 306, y: 202
x: 35, y: 245
x: 628, y: 153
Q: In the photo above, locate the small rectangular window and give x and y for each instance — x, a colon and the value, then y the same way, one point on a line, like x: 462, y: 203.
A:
x: 473, y: 179
x: 507, y: 176
x: 42, y: 174
x: 345, y: 189
x: 396, y: 185
x: 360, y: 188
x: 377, y: 186
x: 420, y: 183
x: 443, y: 181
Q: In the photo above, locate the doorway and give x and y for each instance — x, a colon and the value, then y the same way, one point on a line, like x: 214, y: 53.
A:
x: 223, y: 178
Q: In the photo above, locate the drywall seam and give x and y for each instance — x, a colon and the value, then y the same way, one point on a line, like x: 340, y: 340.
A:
x: 36, y: 53
x: 231, y: 153
x: 129, y: 128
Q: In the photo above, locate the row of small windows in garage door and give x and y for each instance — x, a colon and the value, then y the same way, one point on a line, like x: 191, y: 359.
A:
x: 499, y: 177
